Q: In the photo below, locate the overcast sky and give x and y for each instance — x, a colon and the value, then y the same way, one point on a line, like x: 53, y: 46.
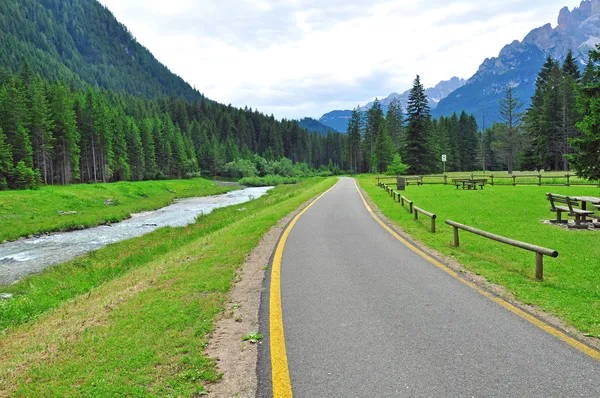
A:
x: 296, y: 58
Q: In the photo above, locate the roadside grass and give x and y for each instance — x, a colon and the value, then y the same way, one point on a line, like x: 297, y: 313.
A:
x: 143, y: 332
x: 23, y: 213
x: 571, y: 289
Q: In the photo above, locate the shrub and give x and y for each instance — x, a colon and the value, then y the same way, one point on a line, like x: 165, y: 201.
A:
x: 268, y: 181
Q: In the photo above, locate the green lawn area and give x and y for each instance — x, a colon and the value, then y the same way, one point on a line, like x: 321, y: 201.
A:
x: 571, y: 289
x: 132, y: 319
x: 24, y: 213
x: 503, y: 178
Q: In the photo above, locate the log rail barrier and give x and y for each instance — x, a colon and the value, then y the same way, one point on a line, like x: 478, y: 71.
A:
x: 540, y: 252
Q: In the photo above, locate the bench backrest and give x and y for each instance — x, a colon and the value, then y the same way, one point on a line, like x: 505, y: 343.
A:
x: 553, y: 198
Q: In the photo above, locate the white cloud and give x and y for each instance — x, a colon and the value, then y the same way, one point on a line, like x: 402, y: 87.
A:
x: 299, y: 58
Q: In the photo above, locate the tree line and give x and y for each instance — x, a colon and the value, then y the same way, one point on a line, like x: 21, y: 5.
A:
x: 55, y: 134
x: 376, y: 141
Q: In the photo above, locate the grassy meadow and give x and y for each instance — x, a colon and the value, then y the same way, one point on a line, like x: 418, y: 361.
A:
x: 132, y: 319
x: 571, y: 288
x: 24, y: 213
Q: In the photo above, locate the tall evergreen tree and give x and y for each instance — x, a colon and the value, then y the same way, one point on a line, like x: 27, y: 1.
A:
x: 586, y: 157
x: 418, y: 153
x: 510, y: 135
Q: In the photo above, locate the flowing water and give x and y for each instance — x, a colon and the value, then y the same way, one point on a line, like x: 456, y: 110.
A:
x: 28, y: 256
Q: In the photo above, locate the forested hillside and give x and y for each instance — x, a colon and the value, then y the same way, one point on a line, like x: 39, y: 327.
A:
x: 52, y: 134
x: 81, y: 43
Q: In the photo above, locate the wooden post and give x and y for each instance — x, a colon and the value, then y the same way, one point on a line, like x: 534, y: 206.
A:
x: 411, y: 207
x: 514, y: 181
x: 416, y: 215
x: 540, y: 180
x: 539, y: 266
x: 492, y: 177
x: 568, y: 180
x: 456, y: 241
x: 445, y: 179
x: 433, y: 225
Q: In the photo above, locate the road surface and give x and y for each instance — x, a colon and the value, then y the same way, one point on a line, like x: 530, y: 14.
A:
x: 365, y: 316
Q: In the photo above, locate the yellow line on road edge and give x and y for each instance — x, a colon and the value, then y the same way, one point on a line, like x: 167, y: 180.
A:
x: 282, y: 386
x: 515, y: 310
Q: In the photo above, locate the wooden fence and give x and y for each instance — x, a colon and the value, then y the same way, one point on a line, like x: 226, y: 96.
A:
x: 565, y: 180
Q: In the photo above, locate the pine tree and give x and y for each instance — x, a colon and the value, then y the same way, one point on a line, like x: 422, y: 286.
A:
x: 418, y: 153
x: 586, y: 156
x: 509, y: 136
x: 64, y: 131
x: 375, y: 120
x: 354, y: 141
x: 384, y: 149
x: 6, y: 161
x: 570, y: 67
x: 395, y: 124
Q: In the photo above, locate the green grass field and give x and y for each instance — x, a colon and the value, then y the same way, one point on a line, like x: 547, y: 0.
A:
x: 132, y: 319
x: 571, y: 288
x: 24, y: 213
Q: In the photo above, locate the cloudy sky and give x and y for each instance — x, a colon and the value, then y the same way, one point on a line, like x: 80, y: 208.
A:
x: 296, y: 58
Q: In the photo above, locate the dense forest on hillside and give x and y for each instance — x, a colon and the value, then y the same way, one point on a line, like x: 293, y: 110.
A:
x: 80, y: 43
x: 52, y: 134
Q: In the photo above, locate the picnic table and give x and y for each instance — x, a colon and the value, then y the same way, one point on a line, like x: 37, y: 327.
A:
x: 469, y: 183
x: 585, y: 200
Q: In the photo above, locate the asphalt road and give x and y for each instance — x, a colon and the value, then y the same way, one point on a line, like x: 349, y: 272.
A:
x: 364, y: 316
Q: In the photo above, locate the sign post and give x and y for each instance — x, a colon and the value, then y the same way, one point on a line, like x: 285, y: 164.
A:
x: 444, y: 162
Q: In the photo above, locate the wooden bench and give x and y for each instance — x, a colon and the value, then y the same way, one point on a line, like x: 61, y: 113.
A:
x: 571, y: 209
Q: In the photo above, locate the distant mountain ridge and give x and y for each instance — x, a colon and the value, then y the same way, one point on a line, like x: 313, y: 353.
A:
x: 338, y: 119
x: 519, y: 62
x: 314, y: 126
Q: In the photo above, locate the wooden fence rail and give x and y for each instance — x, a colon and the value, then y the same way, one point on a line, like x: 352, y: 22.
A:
x: 496, y: 180
x: 540, y: 252
x: 418, y: 210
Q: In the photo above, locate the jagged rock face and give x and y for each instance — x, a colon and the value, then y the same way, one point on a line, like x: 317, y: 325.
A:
x: 519, y: 62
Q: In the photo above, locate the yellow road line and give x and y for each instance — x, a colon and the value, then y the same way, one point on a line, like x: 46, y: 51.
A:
x: 282, y: 386
x: 515, y: 310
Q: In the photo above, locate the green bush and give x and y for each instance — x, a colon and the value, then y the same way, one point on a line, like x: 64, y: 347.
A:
x: 240, y: 168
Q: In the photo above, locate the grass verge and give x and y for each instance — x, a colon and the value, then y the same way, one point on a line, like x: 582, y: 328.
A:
x: 571, y: 289
x: 23, y: 213
x: 142, y: 330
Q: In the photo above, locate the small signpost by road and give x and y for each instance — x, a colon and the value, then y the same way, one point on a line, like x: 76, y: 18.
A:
x: 444, y: 158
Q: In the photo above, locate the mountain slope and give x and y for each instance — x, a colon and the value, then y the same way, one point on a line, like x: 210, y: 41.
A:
x: 314, y: 126
x: 519, y: 63
x: 339, y: 119
x: 81, y: 42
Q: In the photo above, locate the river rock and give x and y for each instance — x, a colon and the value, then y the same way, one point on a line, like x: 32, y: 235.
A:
x: 109, y: 202
x: 5, y: 296
x: 66, y: 213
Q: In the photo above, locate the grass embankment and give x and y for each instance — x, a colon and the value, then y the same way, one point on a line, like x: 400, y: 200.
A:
x: 24, y: 213
x: 132, y: 319
x: 571, y: 288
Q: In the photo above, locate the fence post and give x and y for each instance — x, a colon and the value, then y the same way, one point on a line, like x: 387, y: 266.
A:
x: 456, y: 241
x: 514, y: 181
x: 411, y: 207
x: 433, y: 225
x: 446, y: 180
x: 540, y: 179
x: 568, y: 180
x: 539, y: 266
x: 492, y: 177
x: 416, y: 215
